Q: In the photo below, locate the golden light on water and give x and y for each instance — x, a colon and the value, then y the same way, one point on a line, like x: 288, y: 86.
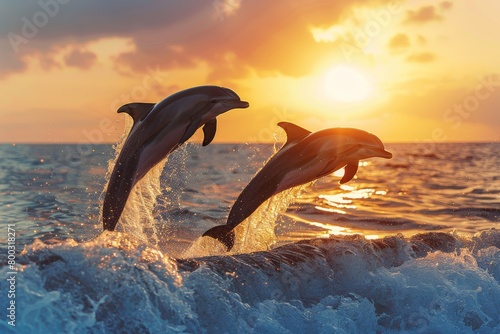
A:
x: 340, y: 203
x: 320, y: 208
x: 345, y: 200
x: 332, y: 229
x: 339, y: 173
x: 339, y: 230
x: 347, y: 187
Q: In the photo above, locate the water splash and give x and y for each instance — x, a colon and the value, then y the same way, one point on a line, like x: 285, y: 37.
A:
x: 257, y: 232
x: 137, y: 218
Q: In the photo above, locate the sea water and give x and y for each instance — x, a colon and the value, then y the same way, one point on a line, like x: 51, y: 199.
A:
x: 409, y: 245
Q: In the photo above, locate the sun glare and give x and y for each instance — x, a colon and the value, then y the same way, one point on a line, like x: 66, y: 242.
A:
x: 346, y: 84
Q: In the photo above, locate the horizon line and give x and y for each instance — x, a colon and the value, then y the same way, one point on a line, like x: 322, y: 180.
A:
x: 244, y: 142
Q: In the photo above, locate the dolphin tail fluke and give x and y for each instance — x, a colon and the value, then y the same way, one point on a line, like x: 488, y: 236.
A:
x: 223, y: 233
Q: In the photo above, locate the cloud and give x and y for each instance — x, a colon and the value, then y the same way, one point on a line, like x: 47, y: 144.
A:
x: 421, y: 40
x: 80, y: 59
x: 225, y: 8
x: 32, y: 28
x: 446, y: 5
x: 399, y: 41
x: 329, y: 34
x: 423, y: 57
x: 423, y: 15
x: 265, y: 36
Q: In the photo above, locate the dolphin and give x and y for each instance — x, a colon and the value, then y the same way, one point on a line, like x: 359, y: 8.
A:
x: 305, y: 157
x: 157, y: 131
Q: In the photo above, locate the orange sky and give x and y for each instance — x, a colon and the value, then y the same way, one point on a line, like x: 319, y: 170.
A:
x: 407, y: 71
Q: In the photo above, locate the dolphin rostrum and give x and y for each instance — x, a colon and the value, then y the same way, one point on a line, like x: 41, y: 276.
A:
x: 305, y: 157
x: 157, y: 131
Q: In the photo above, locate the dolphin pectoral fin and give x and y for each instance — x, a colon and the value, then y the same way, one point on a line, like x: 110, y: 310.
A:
x: 209, y: 131
x: 350, y: 170
x: 136, y: 110
x: 191, y: 129
x: 223, y: 233
x: 293, y: 132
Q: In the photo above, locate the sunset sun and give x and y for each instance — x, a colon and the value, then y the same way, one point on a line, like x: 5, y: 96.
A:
x: 345, y: 84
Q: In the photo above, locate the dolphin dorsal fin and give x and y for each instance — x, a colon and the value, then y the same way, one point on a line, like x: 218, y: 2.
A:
x: 137, y: 110
x: 293, y: 132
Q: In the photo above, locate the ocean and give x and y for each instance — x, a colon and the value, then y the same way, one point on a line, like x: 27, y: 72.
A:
x: 410, y: 245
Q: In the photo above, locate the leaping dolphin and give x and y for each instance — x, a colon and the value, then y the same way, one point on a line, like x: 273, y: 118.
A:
x: 305, y: 157
x: 157, y: 131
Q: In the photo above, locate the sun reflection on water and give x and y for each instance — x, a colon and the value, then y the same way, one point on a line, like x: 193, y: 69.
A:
x: 339, y: 230
x: 344, y: 200
x: 339, y: 173
x: 342, y: 212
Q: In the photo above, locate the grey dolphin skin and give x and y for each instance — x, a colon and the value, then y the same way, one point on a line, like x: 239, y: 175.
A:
x: 305, y: 157
x: 157, y: 131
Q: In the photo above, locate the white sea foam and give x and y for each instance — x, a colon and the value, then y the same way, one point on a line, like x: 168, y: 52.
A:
x: 340, y: 285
